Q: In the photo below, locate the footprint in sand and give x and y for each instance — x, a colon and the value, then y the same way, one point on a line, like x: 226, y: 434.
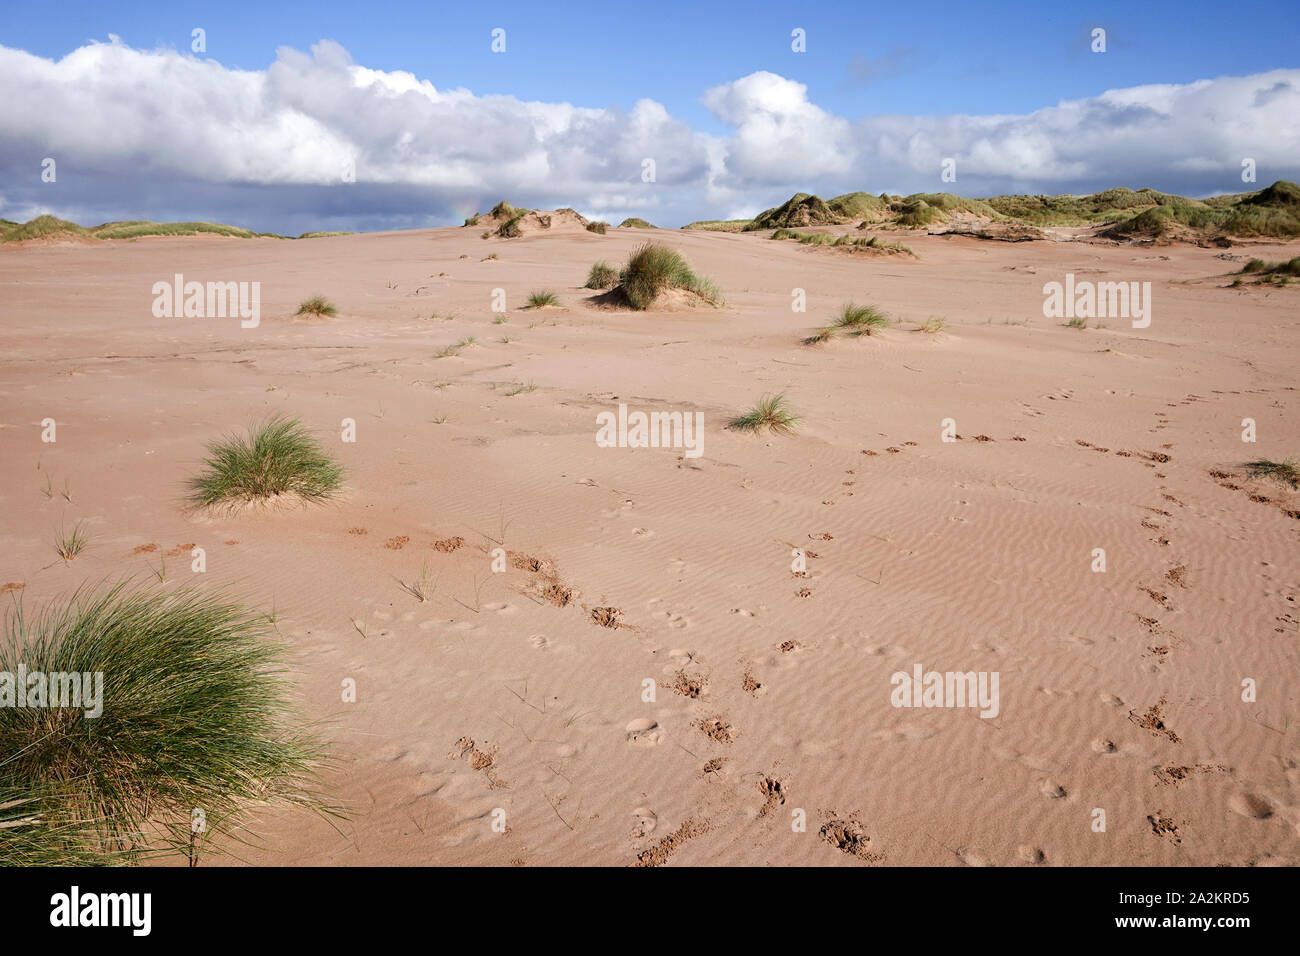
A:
x: 643, y: 732
x: 1032, y: 855
x: 672, y: 620
x: 646, y: 821
x: 1250, y: 805
x: 540, y: 642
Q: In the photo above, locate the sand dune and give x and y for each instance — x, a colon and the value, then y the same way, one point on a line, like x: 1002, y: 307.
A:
x: 522, y: 691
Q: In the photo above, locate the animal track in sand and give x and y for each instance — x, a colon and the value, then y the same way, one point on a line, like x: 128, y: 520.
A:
x: 606, y: 617
x: 750, y: 684
x: 773, y: 791
x: 715, y: 728
x: 13, y: 586
x: 658, y: 854
x: 540, y: 641
x: 849, y: 836
x: 1154, y: 721
x: 1032, y: 855
x: 526, y: 562
x: 1053, y: 790
x: 1159, y: 597
x: 1250, y: 805
x: 675, y: 621
x: 1172, y: 775
x: 143, y: 549
x: 646, y: 821
x: 1164, y: 826
x: 557, y: 594
x: 447, y: 545
x: 481, y: 760
x: 790, y: 646
x: 688, y: 685
x: 397, y: 543
x: 643, y: 732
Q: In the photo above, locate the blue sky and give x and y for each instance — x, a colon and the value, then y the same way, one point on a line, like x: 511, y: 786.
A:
x: 923, y: 58
x: 912, y: 60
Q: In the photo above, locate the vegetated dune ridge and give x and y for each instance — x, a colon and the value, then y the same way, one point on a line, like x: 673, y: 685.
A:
x: 973, y: 555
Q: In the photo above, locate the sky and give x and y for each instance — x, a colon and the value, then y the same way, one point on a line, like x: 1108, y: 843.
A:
x: 331, y: 115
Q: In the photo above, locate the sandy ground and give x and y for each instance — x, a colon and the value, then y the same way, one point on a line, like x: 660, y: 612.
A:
x: 973, y: 555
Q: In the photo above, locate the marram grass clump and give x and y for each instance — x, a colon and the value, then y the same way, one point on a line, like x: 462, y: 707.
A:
x: 1283, y: 472
x: 278, y: 458
x: 317, y: 306
x: 183, y: 705
x: 654, y: 269
x: 772, y: 413
x: 602, y: 276
x: 854, y: 321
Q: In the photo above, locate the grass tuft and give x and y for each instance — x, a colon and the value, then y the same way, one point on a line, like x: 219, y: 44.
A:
x: 602, y: 276
x: 1283, y: 472
x: 318, y: 306
x: 854, y: 321
x: 69, y: 545
x: 194, y: 716
x: 279, y: 457
x: 655, y: 268
x: 541, y: 299
x: 772, y: 412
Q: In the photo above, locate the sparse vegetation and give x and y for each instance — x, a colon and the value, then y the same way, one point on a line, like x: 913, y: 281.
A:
x: 844, y: 241
x: 719, y: 225
x: 598, y: 227
x: 1077, y: 323
x: 602, y: 276
x: 51, y: 227
x: 425, y: 586
x: 542, y: 299
x: 772, y: 412
x: 510, y: 228
x: 278, y: 458
x: 1283, y: 472
x: 194, y: 714
x: 854, y: 321
x: 933, y: 325
x: 1260, y: 267
x: 655, y: 268
x: 318, y: 306
x: 69, y: 544
x: 633, y: 222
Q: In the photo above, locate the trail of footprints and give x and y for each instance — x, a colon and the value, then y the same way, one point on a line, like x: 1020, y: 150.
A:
x: 690, y: 680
